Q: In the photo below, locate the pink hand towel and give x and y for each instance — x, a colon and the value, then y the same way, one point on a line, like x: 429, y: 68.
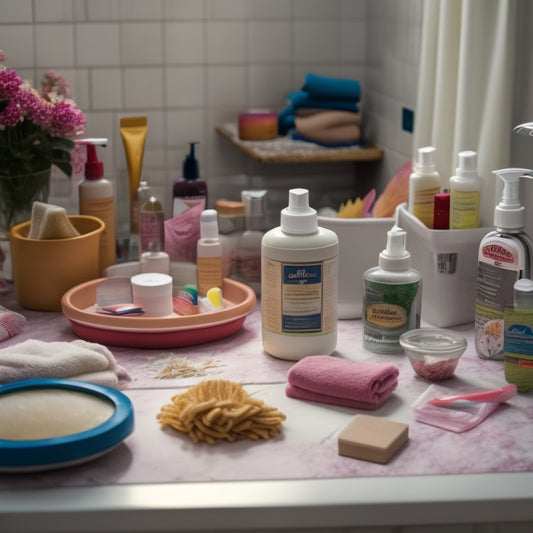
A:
x: 327, y: 379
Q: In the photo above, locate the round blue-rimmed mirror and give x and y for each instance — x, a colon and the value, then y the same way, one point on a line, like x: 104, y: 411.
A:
x: 32, y: 454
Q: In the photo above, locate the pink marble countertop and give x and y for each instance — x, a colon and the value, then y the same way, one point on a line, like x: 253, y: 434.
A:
x: 307, y: 447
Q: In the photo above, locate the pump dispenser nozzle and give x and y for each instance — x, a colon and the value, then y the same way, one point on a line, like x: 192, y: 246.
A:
x: 509, y: 214
x: 190, y: 165
x: 299, y: 217
x: 94, y: 169
x: 395, y: 256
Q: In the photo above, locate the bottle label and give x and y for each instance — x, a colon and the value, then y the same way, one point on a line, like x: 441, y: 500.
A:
x: 386, y: 315
x: 464, y: 209
x: 209, y: 273
x: 152, y: 228
x: 299, y: 297
x: 498, y: 269
x: 423, y: 205
x: 518, y: 348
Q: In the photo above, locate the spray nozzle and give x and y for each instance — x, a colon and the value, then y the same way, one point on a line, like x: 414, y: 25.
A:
x: 395, y: 256
x: 190, y: 165
x: 509, y: 214
x: 299, y: 217
x: 94, y: 169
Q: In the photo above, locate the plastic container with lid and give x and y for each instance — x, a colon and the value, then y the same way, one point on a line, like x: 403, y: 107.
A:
x: 391, y: 296
x: 153, y: 292
x: 299, y: 283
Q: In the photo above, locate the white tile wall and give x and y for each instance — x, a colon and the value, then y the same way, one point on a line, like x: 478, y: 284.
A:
x: 190, y: 65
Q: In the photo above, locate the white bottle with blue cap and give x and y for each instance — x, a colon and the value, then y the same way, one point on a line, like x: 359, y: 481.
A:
x: 504, y: 257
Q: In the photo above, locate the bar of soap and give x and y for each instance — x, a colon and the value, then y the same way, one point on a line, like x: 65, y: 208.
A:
x: 371, y: 438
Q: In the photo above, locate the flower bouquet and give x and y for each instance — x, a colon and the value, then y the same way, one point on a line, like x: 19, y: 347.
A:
x: 37, y: 129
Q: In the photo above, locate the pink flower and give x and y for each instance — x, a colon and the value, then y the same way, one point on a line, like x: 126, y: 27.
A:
x: 10, y: 82
x: 67, y: 121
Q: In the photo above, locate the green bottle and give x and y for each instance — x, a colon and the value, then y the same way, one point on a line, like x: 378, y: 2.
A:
x: 392, y: 294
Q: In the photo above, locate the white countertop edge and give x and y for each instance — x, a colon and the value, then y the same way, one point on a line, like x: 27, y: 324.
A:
x: 378, y: 501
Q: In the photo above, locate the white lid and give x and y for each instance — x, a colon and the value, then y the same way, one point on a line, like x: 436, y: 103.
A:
x: 467, y: 162
x: 395, y: 256
x: 151, y: 284
x: 298, y: 217
x: 425, y: 161
x: 509, y: 214
x: 209, y: 224
x: 523, y: 294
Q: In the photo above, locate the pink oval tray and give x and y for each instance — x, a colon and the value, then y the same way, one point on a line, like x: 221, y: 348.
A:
x: 78, y: 305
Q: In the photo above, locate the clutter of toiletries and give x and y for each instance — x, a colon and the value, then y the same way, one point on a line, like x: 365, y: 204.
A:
x: 433, y: 263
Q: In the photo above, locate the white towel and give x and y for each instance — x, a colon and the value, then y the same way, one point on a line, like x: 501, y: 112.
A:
x: 79, y: 360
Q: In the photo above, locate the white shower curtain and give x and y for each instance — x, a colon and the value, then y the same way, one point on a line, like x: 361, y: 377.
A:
x: 465, y: 87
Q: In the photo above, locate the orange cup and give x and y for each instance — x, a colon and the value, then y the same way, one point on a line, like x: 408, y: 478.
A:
x: 44, y: 269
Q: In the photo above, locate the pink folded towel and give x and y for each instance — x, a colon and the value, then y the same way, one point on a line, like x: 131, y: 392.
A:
x: 327, y: 379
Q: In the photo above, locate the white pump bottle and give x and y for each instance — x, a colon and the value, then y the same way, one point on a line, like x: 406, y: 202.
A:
x: 504, y: 256
x: 299, y: 283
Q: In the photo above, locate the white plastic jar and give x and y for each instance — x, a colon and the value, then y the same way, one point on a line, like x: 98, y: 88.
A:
x: 299, y: 283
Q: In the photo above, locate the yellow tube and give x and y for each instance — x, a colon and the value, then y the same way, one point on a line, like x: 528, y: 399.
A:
x: 133, y: 131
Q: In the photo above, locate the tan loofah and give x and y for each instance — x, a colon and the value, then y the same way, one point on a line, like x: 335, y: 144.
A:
x: 215, y: 410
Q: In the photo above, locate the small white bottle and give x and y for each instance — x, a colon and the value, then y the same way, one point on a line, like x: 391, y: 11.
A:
x: 392, y: 293
x: 155, y: 260
x: 248, y: 256
x: 299, y: 283
x: 465, y: 192
x: 96, y: 198
x: 424, y: 184
x: 231, y: 217
x: 209, y: 253
x: 504, y: 257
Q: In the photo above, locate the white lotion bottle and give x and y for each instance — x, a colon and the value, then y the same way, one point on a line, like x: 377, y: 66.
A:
x: 465, y: 192
x: 424, y: 184
x: 504, y: 257
x: 209, y: 253
x: 97, y: 199
x: 299, y: 283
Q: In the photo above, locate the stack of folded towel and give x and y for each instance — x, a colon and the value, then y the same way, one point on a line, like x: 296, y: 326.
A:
x: 324, y: 111
x: 327, y: 379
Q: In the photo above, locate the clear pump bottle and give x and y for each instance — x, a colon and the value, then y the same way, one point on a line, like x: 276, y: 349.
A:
x: 504, y: 257
x: 392, y: 295
x: 248, y: 256
x: 152, y: 225
x: 299, y: 283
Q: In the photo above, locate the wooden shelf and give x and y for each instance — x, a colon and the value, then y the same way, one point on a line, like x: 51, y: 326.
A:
x: 285, y: 150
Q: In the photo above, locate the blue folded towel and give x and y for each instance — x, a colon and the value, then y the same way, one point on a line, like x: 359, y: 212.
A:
x: 303, y: 99
x: 325, y: 88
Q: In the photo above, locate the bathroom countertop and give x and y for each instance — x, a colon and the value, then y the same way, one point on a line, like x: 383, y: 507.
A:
x: 158, y: 480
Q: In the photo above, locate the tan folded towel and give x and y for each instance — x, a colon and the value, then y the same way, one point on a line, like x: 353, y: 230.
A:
x: 50, y: 222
